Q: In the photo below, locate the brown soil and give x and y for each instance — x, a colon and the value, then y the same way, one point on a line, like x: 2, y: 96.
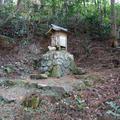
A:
x: 101, y: 61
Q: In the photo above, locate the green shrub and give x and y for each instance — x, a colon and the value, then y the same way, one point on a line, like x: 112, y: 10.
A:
x: 77, y: 16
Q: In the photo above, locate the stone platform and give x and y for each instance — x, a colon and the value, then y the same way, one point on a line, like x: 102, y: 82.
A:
x: 57, y: 63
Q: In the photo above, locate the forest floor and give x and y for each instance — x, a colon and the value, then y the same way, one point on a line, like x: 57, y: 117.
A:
x: 94, y: 95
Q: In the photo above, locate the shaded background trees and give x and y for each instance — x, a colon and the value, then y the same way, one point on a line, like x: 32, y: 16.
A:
x: 32, y: 17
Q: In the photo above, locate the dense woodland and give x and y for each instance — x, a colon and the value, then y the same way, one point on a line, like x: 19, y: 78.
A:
x: 94, y: 40
x: 95, y: 18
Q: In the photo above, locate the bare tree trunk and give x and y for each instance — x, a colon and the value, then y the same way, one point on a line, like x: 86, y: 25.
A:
x: 18, y: 4
x: 53, y: 7
x: 65, y: 7
x: 113, y: 24
x: 104, y: 7
x: 84, y: 3
x: 100, y: 19
x: 2, y: 2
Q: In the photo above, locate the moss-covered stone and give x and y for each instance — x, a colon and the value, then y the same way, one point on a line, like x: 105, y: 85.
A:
x: 5, y: 101
x: 78, y: 71
x: 56, y: 71
x: 87, y: 81
x: 32, y: 101
x: 73, y: 67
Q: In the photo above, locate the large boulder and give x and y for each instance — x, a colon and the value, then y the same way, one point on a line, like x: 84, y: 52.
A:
x: 57, y: 63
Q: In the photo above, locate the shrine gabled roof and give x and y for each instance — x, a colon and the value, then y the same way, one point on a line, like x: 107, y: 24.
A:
x: 56, y: 28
